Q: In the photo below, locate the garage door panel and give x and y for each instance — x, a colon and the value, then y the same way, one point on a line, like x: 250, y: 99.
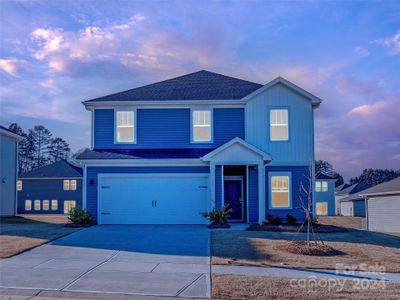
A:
x: 384, y: 214
x: 155, y: 199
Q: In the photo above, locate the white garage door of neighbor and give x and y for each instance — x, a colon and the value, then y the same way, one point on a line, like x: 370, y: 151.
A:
x: 384, y: 214
x: 346, y: 208
x: 153, y: 198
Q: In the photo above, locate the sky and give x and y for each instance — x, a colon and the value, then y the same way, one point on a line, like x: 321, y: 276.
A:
x: 56, y: 54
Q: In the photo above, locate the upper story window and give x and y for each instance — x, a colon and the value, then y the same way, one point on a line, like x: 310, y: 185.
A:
x: 279, y: 125
x: 66, y: 185
x: 280, y: 191
x: 19, y: 185
x: 201, y: 126
x: 69, y: 185
x: 125, y: 127
x: 321, y: 186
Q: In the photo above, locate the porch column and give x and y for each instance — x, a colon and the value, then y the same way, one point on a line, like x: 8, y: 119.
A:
x: 261, y: 192
x: 212, y: 185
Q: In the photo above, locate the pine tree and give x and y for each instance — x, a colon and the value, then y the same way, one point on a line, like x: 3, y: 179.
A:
x: 41, y: 138
x: 58, y: 149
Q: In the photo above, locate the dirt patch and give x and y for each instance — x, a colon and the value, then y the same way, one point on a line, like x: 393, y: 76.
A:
x: 252, y: 287
x: 295, y: 228
x: 21, y: 233
x: 313, y: 249
x: 265, y: 249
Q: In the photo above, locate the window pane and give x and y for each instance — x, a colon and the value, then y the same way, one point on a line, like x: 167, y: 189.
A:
x: 324, y: 186
x: 279, y: 126
x: 37, y: 204
x: 68, y: 205
x: 125, y: 134
x: 280, y: 199
x: 201, y: 117
x: 125, y: 126
x: 66, y: 185
x: 19, y: 185
x: 45, y: 204
x: 54, y: 204
x: 280, y: 191
x: 201, y: 125
x: 322, y: 208
x: 279, y: 133
x: 318, y: 186
x: 202, y: 134
x: 73, y: 185
x: 28, y: 205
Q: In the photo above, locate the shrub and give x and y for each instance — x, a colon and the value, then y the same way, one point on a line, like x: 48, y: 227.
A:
x: 79, y: 216
x: 274, y: 220
x: 219, y: 216
x: 314, y: 222
x: 291, y: 220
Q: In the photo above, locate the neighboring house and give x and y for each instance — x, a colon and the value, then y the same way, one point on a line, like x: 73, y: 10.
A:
x: 324, y: 204
x: 166, y: 152
x: 8, y: 171
x: 351, y: 204
x: 51, y: 189
x: 383, y: 206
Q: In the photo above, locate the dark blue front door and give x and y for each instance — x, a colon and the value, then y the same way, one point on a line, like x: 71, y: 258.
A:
x: 234, y: 198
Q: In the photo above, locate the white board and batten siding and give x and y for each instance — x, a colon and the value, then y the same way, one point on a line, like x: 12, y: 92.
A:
x: 346, y: 208
x: 384, y: 213
x: 153, y: 198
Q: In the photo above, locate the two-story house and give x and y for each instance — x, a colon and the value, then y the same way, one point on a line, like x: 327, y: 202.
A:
x: 166, y: 152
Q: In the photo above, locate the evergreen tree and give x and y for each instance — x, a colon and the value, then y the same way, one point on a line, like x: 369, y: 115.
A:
x: 375, y: 176
x: 324, y: 167
x: 58, y: 149
x: 41, y: 138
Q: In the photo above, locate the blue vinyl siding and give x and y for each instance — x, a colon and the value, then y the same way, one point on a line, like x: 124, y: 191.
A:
x: 168, y: 128
x: 92, y: 172
x: 218, y: 187
x: 47, y: 189
x: 359, y: 208
x: 328, y: 196
x: 299, y: 175
x: 252, y: 197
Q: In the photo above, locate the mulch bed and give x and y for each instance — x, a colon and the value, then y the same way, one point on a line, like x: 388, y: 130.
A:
x: 77, y: 225
x: 314, y: 249
x: 295, y: 228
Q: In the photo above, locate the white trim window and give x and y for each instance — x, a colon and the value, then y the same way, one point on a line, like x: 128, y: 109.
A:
x: 66, y: 185
x: 36, y: 204
x: 324, y: 186
x: 54, y: 204
x: 19, y: 185
x: 279, y: 124
x: 68, y: 205
x: 125, y: 126
x: 201, y: 126
x: 280, y: 191
x: 45, y: 205
x: 318, y: 186
x: 72, y: 185
x: 322, y: 208
x: 28, y: 204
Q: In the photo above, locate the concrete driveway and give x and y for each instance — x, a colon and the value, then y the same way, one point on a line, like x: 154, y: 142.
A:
x: 159, y: 260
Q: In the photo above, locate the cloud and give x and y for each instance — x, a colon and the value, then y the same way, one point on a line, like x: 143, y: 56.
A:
x: 12, y: 66
x: 361, y: 51
x: 50, y: 85
x: 392, y: 43
x: 369, y: 109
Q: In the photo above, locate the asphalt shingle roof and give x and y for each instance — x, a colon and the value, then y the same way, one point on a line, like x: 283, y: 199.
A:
x: 201, y: 85
x: 324, y: 176
x: 386, y: 187
x: 357, y: 187
x: 58, y: 169
x: 143, y: 153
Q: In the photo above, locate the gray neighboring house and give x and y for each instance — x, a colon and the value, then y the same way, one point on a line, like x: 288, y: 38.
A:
x: 351, y: 204
x: 8, y: 171
x: 382, y: 204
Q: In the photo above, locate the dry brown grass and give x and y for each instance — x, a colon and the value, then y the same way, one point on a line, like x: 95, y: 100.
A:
x: 249, y: 287
x: 265, y: 248
x: 18, y: 234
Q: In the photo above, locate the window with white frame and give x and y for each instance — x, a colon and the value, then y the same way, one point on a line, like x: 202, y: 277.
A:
x: 279, y: 125
x: 66, y: 185
x: 125, y: 127
x: 45, y: 204
x: 19, y: 185
x: 201, y: 126
x: 280, y: 191
x: 318, y: 186
x: 322, y: 208
x: 72, y: 185
x: 54, y: 204
x: 37, y: 204
x: 324, y: 186
x: 68, y: 205
x: 28, y: 205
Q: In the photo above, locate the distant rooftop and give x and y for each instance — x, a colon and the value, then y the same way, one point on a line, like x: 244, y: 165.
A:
x: 58, y: 169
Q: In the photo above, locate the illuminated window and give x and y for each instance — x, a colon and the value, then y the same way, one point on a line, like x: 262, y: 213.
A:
x: 66, y: 185
x: 322, y: 208
x: 280, y: 191
x: 201, y: 126
x: 37, y: 204
x: 54, y: 204
x: 125, y: 127
x: 318, y: 186
x: 46, y: 204
x: 324, y: 186
x: 72, y: 185
x: 68, y: 205
x: 28, y: 205
x: 279, y: 125
x: 19, y: 185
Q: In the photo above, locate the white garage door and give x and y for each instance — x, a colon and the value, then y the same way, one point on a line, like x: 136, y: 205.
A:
x: 153, y: 198
x: 346, y: 208
x: 384, y: 214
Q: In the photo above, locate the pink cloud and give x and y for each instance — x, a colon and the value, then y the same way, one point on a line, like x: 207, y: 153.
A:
x: 12, y: 66
x: 369, y: 109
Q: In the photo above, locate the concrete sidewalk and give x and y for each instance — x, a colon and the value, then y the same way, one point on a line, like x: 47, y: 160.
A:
x: 300, y: 273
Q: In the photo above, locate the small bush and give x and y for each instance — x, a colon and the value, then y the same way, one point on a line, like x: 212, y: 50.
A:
x: 291, y: 220
x: 219, y: 216
x: 314, y: 222
x: 274, y: 220
x: 79, y: 216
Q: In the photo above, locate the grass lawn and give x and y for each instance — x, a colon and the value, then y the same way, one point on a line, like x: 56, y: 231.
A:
x: 248, y: 287
x: 18, y: 234
x: 266, y: 248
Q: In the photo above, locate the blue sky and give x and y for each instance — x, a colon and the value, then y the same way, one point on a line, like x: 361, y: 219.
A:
x: 55, y: 54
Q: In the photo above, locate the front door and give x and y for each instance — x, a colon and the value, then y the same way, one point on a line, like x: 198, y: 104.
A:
x: 233, y: 196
